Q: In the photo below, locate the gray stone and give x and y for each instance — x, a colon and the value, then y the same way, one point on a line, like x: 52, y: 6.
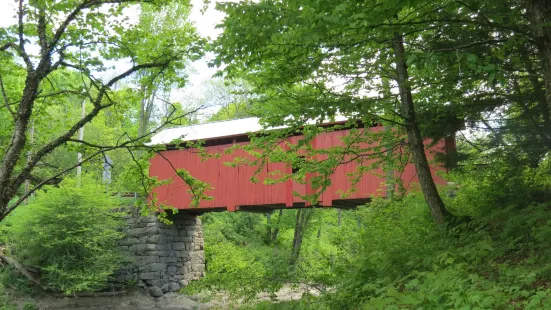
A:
x: 159, y: 253
x: 198, y: 267
x: 164, y: 288
x: 149, y: 275
x: 140, y: 248
x: 172, y: 287
x: 144, y: 260
x: 178, y: 246
x: 156, y: 239
x: 158, y: 283
x: 134, y: 232
x: 155, y: 291
x: 168, y: 259
x: 154, y: 267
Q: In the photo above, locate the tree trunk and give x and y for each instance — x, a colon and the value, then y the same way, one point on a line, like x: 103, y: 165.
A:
x: 268, y: 227
x: 29, y: 156
x: 22, y: 270
x: 539, y: 15
x: 17, y: 142
x: 303, y: 217
x: 415, y: 141
x: 389, y: 170
x: 276, y: 230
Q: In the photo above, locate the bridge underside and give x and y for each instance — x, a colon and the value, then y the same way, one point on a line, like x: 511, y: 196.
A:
x: 339, y: 203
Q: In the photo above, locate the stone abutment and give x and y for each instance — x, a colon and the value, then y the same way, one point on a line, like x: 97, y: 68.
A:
x: 162, y: 257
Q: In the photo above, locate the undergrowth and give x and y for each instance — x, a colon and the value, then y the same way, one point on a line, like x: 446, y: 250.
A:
x: 495, y: 256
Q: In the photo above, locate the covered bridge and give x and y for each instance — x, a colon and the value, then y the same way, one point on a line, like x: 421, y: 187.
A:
x: 232, y: 188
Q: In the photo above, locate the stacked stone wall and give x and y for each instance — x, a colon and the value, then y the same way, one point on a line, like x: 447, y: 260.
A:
x: 162, y: 257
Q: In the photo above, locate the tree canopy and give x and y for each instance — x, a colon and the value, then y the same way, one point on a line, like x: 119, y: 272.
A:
x: 424, y: 68
x: 65, y: 54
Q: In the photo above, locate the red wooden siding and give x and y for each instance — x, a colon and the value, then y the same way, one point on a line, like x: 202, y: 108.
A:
x: 233, y: 190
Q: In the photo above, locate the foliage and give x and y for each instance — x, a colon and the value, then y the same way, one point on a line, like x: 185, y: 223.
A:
x: 389, y: 254
x: 237, y: 259
x: 425, y: 68
x: 71, y: 78
x: 498, y: 260
x: 69, y: 232
x: 5, y: 303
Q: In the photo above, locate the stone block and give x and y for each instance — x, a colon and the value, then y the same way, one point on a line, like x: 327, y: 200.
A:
x: 134, y: 232
x: 198, y: 267
x: 168, y: 259
x: 164, y: 288
x: 154, y: 267
x: 177, y: 277
x: 155, y: 291
x: 148, y: 275
x: 157, y: 282
x: 172, y: 287
x: 178, y: 246
x: 144, y: 260
x: 150, y: 230
x: 152, y: 247
x: 160, y: 253
x: 196, y: 256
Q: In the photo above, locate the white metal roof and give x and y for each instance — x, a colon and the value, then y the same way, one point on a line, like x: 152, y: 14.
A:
x: 212, y: 130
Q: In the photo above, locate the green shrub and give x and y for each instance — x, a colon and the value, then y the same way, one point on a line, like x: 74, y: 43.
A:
x: 70, y: 233
x: 5, y: 303
x: 30, y: 306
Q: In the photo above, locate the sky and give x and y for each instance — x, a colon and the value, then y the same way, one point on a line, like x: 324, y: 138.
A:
x: 205, y: 23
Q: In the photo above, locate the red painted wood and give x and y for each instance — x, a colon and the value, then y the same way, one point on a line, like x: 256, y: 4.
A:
x: 232, y: 187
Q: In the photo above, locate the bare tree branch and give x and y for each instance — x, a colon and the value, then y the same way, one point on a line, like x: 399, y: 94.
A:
x: 66, y: 136
x: 21, y: 49
x: 6, y: 101
x: 102, y: 150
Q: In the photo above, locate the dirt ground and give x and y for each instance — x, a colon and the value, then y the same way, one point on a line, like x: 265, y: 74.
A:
x: 138, y: 299
x: 135, y: 299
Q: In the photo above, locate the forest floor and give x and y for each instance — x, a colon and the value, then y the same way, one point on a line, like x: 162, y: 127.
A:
x: 138, y: 299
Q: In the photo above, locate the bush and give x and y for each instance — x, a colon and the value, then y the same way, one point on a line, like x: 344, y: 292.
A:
x: 70, y: 233
x: 497, y: 261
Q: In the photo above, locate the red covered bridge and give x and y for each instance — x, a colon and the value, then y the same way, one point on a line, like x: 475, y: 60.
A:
x: 232, y: 188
